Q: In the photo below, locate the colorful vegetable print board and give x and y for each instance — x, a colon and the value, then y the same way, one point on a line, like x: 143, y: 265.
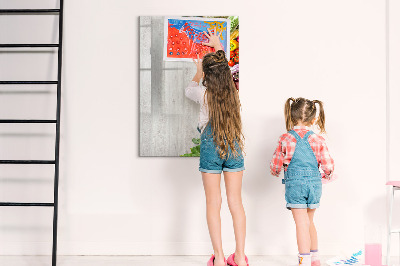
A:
x: 183, y: 37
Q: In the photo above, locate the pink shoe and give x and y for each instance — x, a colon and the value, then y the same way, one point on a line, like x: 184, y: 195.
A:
x: 316, y: 263
x: 231, y: 260
x: 211, y: 261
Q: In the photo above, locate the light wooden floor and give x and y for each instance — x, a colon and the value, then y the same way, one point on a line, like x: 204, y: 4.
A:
x: 136, y: 260
x: 144, y: 260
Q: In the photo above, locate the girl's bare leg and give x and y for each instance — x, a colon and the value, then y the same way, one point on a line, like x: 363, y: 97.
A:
x: 313, y: 230
x: 212, y: 188
x: 233, y: 183
x: 302, y: 221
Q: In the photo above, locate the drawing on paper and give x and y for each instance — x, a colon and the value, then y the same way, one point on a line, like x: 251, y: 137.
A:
x: 183, y: 37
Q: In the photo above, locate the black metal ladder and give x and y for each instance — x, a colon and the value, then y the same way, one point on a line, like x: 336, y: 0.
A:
x: 57, y: 82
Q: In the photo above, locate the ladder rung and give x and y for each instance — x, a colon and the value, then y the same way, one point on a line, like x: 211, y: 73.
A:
x: 29, y: 82
x: 27, y: 161
x: 7, y: 11
x: 27, y: 121
x: 33, y: 45
x: 38, y: 204
x: 395, y: 231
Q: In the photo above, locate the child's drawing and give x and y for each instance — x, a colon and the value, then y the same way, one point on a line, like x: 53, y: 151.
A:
x: 183, y: 37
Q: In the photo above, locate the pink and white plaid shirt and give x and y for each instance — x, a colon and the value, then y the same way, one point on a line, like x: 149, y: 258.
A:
x: 287, y: 144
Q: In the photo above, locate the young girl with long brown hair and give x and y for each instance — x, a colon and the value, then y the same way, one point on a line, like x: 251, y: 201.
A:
x: 302, y: 153
x: 221, y: 147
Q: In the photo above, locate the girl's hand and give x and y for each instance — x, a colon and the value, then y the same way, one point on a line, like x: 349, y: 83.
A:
x: 213, y: 39
x: 199, y: 65
x: 199, y: 73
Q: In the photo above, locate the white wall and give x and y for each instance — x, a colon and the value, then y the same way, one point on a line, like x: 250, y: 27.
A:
x: 394, y: 109
x: 114, y: 202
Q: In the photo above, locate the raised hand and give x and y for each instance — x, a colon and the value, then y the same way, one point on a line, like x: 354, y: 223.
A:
x: 213, y: 39
x: 199, y: 66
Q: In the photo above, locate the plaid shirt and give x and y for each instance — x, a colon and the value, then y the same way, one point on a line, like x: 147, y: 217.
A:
x: 287, y: 144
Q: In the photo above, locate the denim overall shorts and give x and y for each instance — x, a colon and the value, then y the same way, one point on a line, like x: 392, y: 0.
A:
x: 303, y: 186
x: 210, y: 160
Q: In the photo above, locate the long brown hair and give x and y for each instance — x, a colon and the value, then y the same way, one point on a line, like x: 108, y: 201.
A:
x: 303, y: 110
x: 223, y: 104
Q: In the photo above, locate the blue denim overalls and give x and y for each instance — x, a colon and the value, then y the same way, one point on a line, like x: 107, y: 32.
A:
x: 302, y: 181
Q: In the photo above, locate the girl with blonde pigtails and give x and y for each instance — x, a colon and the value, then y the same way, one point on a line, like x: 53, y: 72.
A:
x: 302, y: 154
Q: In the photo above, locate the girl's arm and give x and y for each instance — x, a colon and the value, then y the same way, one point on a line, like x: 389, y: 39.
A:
x: 327, y: 163
x: 277, y: 159
x: 199, y: 73
x: 194, y: 91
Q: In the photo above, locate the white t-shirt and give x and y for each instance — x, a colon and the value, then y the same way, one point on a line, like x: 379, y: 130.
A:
x: 196, y: 92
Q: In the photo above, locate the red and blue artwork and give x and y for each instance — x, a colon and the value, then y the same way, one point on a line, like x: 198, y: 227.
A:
x: 184, y: 37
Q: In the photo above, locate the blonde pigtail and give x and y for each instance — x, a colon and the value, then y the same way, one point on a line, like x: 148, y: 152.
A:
x: 288, y: 114
x: 321, y: 116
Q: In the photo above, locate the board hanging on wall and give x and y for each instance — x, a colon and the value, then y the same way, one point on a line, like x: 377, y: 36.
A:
x: 183, y: 37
